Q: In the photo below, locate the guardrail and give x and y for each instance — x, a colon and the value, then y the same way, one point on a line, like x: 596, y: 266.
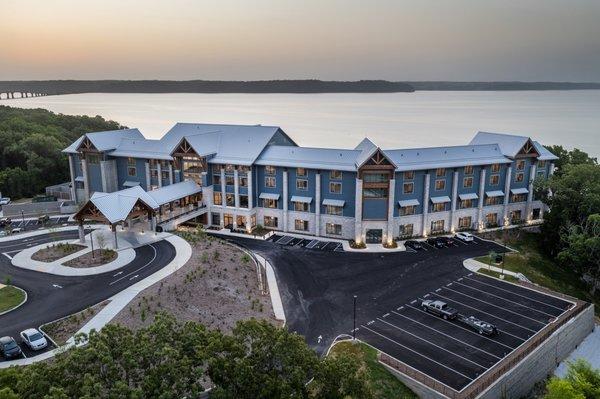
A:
x: 492, y: 374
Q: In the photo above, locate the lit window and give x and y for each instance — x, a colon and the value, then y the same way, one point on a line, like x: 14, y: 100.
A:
x: 229, y: 168
x: 217, y: 199
x: 270, y: 182
x: 406, y: 230
x: 409, y: 175
x: 270, y: 170
x: 464, y: 222
x: 466, y: 204
x: 301, y: 184
x: 230, y: 198
x: 301, y: 225
x: 494, y: 180
x: 269, y: 203
x: 519, y: 177
x: 301, y: 207
x: 440, y: 172
x: 520, y: 165
x: 407, y: 210
x: 335, y: 187
x: 270, y: 221
x: 333, y: 229
x: 437, y: 226
x: 229, y: 180
x: 243, y: 181
x: 440, y: 184
x: 408, y: 188
x: 440, y: 207
x: 335, y: 175
x: 467, y: 182
x: 496, y: 168
x: 301, y: 172
x: 468, y: 170
x: 333, y: 210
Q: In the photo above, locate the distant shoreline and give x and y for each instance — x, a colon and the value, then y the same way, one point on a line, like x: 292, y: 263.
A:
x: 57, y: 87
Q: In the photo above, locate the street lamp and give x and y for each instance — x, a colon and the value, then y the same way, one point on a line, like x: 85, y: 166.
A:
x: 354, y: 320
x: 22, y: 217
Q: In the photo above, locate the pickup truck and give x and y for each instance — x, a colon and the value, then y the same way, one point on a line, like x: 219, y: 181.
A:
x: 480, y: 326
x: 439, y: 308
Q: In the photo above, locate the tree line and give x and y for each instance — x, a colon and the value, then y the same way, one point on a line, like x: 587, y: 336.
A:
x: 171, y: 359
x: 31, y: 141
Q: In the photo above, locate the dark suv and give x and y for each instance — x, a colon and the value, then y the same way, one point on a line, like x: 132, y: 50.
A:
x: 416, y: 245
x: 435, y: 242
x: 9, y: 348
x: 448, y: 241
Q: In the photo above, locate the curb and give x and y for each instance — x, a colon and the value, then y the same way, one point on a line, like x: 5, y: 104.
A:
x: 19, y: 305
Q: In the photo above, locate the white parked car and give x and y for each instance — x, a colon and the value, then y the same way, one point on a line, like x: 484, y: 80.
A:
x: 15, y: 230
x: 464, y: 236
x: 34, y: 339
x: 4, y: 201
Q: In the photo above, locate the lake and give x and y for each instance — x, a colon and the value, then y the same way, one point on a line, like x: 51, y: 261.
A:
x: 396, y: 120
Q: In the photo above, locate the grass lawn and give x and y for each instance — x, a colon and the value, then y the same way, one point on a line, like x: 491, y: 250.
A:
x: 383, y: 384
x: 492, y: 273
x: 541, y: 269
x: 10, y: 297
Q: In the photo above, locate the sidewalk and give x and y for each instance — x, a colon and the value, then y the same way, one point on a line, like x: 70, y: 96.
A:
x: 474, y: 265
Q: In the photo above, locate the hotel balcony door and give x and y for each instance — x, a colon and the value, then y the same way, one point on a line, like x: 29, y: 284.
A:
x: 374, y: 236
x: 228, y: 221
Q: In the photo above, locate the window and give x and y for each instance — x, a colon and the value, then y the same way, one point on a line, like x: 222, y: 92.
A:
x: 541, y: 164
x: 440, y: 207
x: 375, y: 177
x: 440, y: 184
x: 229, y: 181
x: 270, y: 170
x: 301, y: 172
x: 494, y: 180
x: 541, y: 174
x: 491, y: 219
x: 464, y: 222
x: 217, y: 179
x: 243, y: 181
x: 229, y: 168
x: 467, y: 182
x: 216, y: 219
x: 519, y: 177
x: 518, y: 198
x: 335, y: 187
x: 375, y: 192
x: 515, y: 217
x: 406, y: 230
x: 164, y: 174
x: 437, y: 226
x: 243, y: 169
x: 301, y: 184
x: 243, y: 201
x: 270, y: 221
x: 333, y: 210
x: 131, y: 169
x: 521, y: 165
x: 93, y: 158
x: 154, y: 173
x: 301, y: 225
x: 468, y: 170
x: 217, y: 199
x: 301, y: 207
x: 333, y: 229
x: 270, y: 182
x: 130, y: 161
x: 230, y: 199
x: 164, y: 164
x: 408, y: 188
x: 494, y: 201
x: 409, y: 175
x: 466, y: 204
x: 496, y: 168
x: 335, y: 175
x: 269, y: 203
x: 440, y: 172
x: 407, y: 210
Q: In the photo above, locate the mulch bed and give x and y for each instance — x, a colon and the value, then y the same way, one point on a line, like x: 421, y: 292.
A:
x: 100, y: 257
x: 60, y: 331
x: 56, y: 252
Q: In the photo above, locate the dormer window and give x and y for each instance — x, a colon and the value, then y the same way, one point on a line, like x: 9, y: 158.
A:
x: 269, y: 170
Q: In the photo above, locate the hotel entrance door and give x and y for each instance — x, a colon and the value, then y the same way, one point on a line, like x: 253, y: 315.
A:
x: 374, y: 236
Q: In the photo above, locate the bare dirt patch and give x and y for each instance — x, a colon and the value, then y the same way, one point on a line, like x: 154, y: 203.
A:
x: 61, y: 330
x: 217, y: 287
x: 56, y: 251
x: 100, y: 257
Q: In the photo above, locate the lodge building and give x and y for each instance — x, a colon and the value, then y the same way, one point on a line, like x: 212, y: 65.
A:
x: 239, y: 177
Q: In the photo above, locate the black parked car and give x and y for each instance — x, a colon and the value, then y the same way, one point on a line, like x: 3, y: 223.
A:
x: 448, y: 241
x: 436, y: 242
x: 9, y: 348
x: 416, y: 245
x: 5, y: 222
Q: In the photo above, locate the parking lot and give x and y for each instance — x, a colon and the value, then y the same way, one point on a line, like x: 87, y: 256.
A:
x: 307, y: 243
x: 34, y: 224
x: 450, y: 351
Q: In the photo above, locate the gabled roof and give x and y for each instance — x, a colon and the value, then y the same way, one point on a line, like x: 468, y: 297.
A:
x: 545, y: 154
x: 237, y: 144
x: 511, y: 144
x: 105, y: 141
x: 173, y: 192
x: 116, y: 206
x: 141, y: 148
x: 367, y: 148
x: 311, y: 158
x: 446, y: 157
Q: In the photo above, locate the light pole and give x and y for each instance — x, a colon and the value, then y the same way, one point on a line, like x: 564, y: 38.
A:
x: 92, y: 242
x: 22, y: 217
x: 354, y: 320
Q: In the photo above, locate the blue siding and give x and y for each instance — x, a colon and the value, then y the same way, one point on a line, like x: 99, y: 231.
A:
x: 140, y: 176
x: 309, y: 192
x: 419, y: 185
x: 375, y: 209
x: 501, y: 180
x: 447, y: 191
x: 476, y: 175
x: 348, y: 191
x: 95, y: 177
x: 260, y: 183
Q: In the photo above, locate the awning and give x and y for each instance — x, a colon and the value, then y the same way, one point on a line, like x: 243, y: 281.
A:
x: 334, y: 202
x: 129, y: 183
x: 467, y: 196
x: 297, y: 198
x: 410, y: 202
x: 79, y: 178
x: 440, y: 200
x: 496, y: 193
x: 269, y: 196
x: 519, y: 190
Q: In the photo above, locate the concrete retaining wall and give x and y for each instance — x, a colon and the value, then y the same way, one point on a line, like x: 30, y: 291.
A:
x: 32, y: 209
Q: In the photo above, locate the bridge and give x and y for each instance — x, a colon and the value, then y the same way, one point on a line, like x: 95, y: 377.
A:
x: 20, y: 94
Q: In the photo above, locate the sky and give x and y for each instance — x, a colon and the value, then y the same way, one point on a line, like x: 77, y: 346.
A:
x: 474, y: 40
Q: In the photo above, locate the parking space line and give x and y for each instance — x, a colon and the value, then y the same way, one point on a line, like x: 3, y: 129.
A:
x: 447, y: 335
x: 499, y: 318
x: 507, y: 300
x: 463, y: 328
x: 420, y: 354
x: 459, y: 241
x: 432, y: 344
x: 496, y: 306
x: 522, y: 296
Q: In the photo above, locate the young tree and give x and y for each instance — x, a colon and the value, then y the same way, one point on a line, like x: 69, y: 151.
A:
x: 581, y: 382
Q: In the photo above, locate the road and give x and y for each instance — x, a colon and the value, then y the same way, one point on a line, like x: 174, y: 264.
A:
x: 51, y: 297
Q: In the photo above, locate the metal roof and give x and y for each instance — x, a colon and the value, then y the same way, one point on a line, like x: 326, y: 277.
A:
x: 521, y: 190
x: 439, y: 200
x: 105, y: 141
x: 79, y: 178
x: 410, y: 202
x: 312, y: 158
x: 174, y: 192
x: 117, y: 205
x: 334, y: 202
x: 468, y: 196
x: 545, y: 154
x: 129, y: 183
x: 270, y: 196
x: 496, y: 193
x: 298, y: 198
x: 511, y: 144
x: 141, y: 148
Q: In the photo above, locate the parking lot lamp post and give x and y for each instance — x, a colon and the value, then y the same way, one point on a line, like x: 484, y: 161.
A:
x: 92, y: 243
x: 22, y: 217
x: 354, y: 320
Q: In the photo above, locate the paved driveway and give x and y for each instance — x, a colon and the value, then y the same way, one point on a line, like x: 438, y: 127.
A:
x: 317, y: 286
